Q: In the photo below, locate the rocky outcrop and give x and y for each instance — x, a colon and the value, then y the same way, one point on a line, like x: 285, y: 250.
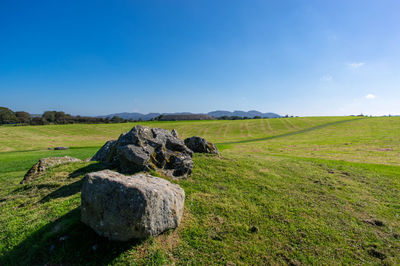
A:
x: 43, y: 164
x: 105, y: 151
x: 123, y: 207
x: 198, y: 144
x: 144, y: 149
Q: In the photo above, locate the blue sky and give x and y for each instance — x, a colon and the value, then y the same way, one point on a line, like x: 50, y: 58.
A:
x: 298, y: 57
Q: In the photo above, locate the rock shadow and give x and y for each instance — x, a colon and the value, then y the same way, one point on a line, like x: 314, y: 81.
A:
x: 30, y: 186
x: 64, y: 191
x: 65, y: 241
x: 75, y: 187
x: 87, y: 169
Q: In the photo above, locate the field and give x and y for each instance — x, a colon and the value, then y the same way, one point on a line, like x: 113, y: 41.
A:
x: 304, y: 190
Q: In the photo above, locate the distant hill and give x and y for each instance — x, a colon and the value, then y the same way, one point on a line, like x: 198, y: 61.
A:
x: 249, y: 114
x: 134, y: 116
x: 216, y: 114
x: 181, y: 117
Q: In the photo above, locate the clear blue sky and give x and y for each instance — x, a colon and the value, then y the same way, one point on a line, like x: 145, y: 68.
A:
x: 299, y: 57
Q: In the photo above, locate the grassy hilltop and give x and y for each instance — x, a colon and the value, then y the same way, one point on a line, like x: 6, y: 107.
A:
x: 312, y: 190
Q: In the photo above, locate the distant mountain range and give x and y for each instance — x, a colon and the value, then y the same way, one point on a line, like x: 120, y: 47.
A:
x: 216, y: 114
x: 249, y: 114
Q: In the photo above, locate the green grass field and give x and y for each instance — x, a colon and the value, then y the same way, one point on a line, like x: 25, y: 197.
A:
x: 312, y: 190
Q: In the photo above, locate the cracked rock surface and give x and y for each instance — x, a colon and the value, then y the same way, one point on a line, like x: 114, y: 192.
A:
x: 144, y: 149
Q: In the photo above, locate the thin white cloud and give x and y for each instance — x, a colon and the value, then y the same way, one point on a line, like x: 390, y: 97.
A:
x: 370, y: 96
x: 326, y: 78
x: 355, y: 65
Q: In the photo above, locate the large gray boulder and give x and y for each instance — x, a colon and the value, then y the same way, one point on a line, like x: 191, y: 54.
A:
x: 123, y: 207
x: 198, y: 144
x: 144, y: 149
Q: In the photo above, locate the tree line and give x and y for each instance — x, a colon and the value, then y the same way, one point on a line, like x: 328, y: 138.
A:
x: 7, y: 116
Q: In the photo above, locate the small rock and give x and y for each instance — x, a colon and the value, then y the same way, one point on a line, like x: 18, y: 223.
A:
x: 61, y: 148
x: 198, y: 144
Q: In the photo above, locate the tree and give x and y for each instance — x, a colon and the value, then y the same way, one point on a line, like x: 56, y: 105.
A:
x: 23, y: 117
x: 49, y: 116
x: 60, y: 117
x: 158, y: 118
x: 117, y: 119
x: 38, y: 121
x: 7, y: 116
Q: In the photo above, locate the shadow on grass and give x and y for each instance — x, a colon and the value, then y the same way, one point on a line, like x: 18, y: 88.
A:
x: 87, y: 169
x: 65, y: 241
x: 64, y: 191
x: 29, y: 186
x: 75, y: 187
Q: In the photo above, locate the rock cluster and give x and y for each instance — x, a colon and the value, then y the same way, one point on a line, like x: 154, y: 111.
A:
x: 123, y: 207
x: 144, y: 149
x: 198, y: 144
x: 43, y: 164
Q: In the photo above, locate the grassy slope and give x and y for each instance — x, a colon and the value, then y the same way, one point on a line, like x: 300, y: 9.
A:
x: 307, y: 195
x: 81, y: 135
x: 371, y: 140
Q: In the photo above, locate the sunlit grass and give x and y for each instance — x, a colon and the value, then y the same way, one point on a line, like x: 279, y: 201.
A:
x: 297, y: 194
